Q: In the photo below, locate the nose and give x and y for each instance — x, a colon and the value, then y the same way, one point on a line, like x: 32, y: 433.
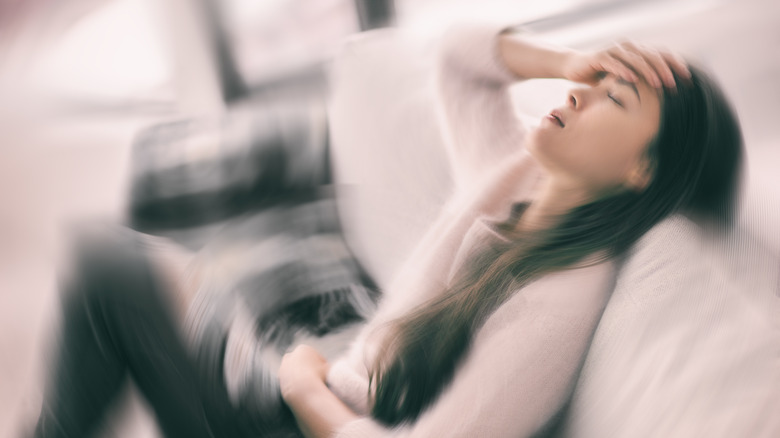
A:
x: 576, y: 98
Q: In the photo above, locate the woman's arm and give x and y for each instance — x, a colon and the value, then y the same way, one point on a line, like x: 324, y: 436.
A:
x: 527, y: 59
x: 477, y: 63
x: 318, y: 412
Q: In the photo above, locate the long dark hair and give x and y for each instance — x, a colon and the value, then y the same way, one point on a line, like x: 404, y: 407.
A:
x: 696, y: 159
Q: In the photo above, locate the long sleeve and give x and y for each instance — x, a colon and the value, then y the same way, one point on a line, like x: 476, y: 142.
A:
x: 475, y: 107
x: 522, y: 366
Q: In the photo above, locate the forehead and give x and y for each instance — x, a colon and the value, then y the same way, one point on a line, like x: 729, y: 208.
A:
x: 640, y: 88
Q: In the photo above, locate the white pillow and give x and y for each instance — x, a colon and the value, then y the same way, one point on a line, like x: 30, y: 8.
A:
x: 686, y: 346
x: 387, y: 152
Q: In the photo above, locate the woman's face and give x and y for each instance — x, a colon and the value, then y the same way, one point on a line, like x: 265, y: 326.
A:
x: 597, y: 140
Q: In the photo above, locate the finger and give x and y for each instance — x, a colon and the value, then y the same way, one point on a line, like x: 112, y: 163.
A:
x: 637, y: 63
x: 324, y: 370
x: 654, y: 58
x: 676, y: 63
x: 611, y: 65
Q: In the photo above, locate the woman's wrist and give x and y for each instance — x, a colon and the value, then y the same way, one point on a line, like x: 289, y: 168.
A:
x: 301, y: 372
x: 318, y: 412
x: 528, y: 60
x: 303, y: 390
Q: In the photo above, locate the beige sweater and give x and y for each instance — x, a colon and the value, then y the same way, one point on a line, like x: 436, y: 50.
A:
x: 524, y: 361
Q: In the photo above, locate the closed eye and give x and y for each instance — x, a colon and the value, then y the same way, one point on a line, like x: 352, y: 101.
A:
x: 615, y: 99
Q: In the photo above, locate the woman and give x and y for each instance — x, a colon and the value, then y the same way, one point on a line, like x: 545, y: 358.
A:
x: 492, y: 347
x: 484, y: 330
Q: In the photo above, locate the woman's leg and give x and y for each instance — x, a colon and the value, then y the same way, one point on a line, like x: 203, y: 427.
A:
x: 117, y: 322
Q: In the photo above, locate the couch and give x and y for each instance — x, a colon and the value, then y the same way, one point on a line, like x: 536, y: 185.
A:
x: 688, y: 343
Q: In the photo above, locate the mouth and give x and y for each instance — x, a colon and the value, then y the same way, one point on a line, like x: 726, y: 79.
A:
x: 555, y: 116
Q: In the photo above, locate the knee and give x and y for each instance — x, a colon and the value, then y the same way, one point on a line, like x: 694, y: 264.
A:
x: 104, y: 262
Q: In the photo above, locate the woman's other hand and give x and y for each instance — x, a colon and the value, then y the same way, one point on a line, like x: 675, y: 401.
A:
x: 318, y: 412
x: 301, y: 371
x: 629, y: 61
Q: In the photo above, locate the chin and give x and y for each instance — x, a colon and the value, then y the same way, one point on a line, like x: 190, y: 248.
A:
x: 532, y: 141
x: 535, y: 148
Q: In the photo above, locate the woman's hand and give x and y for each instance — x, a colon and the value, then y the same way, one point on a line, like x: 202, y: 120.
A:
x: 302, y: 370
x: 317, y: 410
x: 629, y: 61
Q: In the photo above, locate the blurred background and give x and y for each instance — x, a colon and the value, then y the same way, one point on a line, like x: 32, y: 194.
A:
x: 92, y: 91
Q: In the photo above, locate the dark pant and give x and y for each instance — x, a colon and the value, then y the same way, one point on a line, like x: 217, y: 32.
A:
x: 117, y: 324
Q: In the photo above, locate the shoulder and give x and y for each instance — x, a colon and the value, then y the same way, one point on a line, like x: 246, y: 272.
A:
x: 573, y: 299
x: 584, y: 286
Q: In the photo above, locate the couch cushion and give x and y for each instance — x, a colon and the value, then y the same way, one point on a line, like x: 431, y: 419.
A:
x: 686, y: 346
x: 387, y: 154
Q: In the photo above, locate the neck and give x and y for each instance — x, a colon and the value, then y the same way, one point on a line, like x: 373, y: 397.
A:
x: 552, y: 200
